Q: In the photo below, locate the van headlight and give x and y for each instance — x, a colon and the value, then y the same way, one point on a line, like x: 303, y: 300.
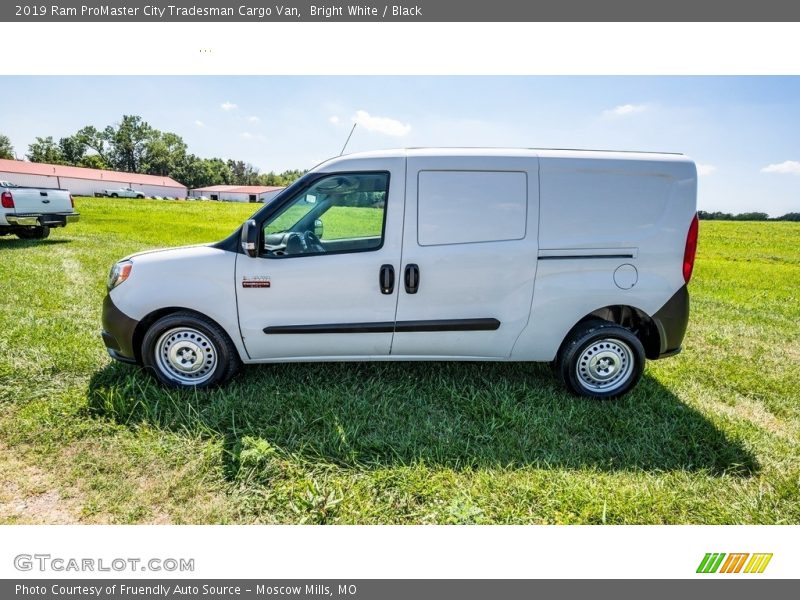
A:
x: 119, y: 273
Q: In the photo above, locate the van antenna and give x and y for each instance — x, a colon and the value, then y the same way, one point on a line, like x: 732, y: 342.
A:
x: 347, y: 141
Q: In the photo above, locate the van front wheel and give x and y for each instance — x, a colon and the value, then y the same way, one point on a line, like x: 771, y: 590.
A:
x: 601, y: 360
x: 186, y: 350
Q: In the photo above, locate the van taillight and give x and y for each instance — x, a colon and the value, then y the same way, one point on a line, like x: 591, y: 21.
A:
x: 71, y: 201
x: 690, y: 250
x: 7, y: 200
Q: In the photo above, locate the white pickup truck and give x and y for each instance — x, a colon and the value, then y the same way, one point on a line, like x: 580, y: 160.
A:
x: 30, y: 213
x: 124, y: 193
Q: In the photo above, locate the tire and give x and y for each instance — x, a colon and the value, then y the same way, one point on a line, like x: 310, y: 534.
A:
x: 600, y: 359
x: 187, y: 350
x: 34, y: 233
x: 139, y: 197
x: 115, y: 195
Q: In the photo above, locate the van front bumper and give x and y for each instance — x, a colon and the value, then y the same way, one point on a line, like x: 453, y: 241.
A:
x: 117, y: 334
x: 671, y: 321
x: 47, y: 220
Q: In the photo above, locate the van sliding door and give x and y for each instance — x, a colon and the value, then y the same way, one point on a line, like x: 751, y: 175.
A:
x: 469, y: 256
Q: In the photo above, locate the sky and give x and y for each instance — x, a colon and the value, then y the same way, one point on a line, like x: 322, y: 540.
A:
x: 743, y: 132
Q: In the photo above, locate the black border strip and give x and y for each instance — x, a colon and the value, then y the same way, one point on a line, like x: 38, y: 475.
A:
x: 380, y: 327
x: 389, y: 327
x: 585, y: 256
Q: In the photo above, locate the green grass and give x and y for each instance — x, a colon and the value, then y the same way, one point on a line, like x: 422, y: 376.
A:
x: 710, y: 436
x: 352, y: 221
x: 339, y: 221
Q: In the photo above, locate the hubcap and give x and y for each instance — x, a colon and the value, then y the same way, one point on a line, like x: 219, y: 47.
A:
x: 186, y: 355
x: 605, y: 365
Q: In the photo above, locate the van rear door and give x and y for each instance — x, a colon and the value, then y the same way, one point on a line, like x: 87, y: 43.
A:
x: 469, y: 255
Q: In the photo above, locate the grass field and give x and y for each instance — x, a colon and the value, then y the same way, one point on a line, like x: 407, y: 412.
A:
x: 711, y: 436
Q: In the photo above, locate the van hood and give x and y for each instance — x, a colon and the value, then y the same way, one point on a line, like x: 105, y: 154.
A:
x: 177, y: 252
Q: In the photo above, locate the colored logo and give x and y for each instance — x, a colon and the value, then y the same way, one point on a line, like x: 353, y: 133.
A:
x: 719, y: 562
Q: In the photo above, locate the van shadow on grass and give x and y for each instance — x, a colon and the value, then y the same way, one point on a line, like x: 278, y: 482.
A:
x: 451, y: 415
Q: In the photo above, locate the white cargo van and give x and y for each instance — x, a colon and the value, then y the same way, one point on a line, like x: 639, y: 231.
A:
x: 579, y: 258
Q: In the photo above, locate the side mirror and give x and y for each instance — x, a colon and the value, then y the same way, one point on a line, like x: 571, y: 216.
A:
x: 319, y: 228
x: 249, y: 238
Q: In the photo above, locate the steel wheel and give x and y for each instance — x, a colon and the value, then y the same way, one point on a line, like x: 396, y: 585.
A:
x: 605, y: 365
x: 186, y: 355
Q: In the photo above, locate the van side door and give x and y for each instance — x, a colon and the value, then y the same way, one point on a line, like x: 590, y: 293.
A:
x: 469, y: 255
x: 324, y: 283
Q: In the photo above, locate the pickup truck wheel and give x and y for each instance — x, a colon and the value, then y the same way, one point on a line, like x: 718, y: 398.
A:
x: 139, y: 196
x: 34, y: 233
x: 186, y: 350
x: 115, y: 195
x: 601, y: 360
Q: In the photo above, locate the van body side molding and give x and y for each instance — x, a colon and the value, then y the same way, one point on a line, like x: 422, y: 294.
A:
x: 448, y: 325
x: 390, y: 327
x: 586, y: 253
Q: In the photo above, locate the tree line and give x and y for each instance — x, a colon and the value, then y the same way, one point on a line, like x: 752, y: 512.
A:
x: 134, y: 146
x: 747, y: 216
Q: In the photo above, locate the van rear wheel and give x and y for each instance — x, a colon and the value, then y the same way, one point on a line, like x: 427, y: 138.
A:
x: 187, y: 350
x: 600, y: 360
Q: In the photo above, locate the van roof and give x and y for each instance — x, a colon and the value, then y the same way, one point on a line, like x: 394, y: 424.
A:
x: 521, y: 152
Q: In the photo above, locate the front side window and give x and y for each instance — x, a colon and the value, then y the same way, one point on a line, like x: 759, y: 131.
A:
x: 339, y: 213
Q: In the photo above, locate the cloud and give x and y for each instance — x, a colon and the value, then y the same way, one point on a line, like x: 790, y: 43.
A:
x: 199, y: 123
x: 246, y: 135
x: 383, y: 125
x: 228, y: 105
x: 333, y: 120
x: 253, y: 119
x: 791, y: 167
x: 623, y: 110
x: 705, y: 169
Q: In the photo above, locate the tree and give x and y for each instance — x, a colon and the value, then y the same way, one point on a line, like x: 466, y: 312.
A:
x: 751, y: 216
x: 72, y: 150
x: 132, y: 145
x: 95, y: 140
x: 243, y: 173
x: 45, y: 150
x: 6, y: 149
x: 122, y: 147
x: 201, y: 172
x: 128, y: 143
x: 93, y: 161
x: 280, y: 179
x: 164, y: 153
x: 219, y: 172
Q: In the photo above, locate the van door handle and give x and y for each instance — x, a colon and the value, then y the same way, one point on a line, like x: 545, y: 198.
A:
x: 387, y: 279
x: 411, y: 279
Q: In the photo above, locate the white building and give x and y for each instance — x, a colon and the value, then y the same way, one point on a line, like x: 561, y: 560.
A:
x: 86, y: 182
x: 237, y: 193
